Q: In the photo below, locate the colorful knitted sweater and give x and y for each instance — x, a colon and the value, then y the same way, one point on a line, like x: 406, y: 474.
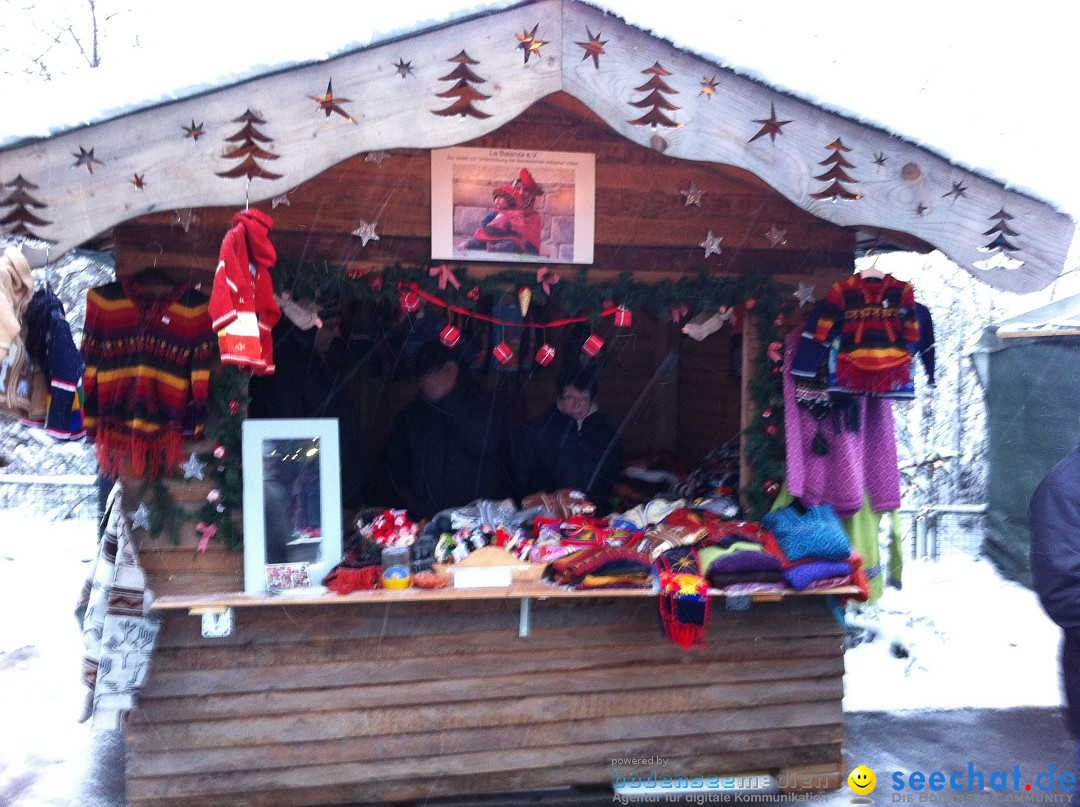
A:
x: 878, y: 327
x: 147, y: 376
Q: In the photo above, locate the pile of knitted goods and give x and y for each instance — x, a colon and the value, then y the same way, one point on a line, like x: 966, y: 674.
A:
x: 814, y: 549
x: 601, y: 566
x: 359, y: 569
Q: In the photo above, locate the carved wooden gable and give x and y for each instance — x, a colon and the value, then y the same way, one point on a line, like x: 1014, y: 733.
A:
x: 259, y: 139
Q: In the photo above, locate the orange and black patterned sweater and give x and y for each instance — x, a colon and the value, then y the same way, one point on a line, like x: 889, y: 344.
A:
x: 877, y: 324
x: 147, y: 376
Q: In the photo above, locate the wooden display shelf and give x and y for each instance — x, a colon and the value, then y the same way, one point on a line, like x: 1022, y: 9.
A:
x: 518, y: 590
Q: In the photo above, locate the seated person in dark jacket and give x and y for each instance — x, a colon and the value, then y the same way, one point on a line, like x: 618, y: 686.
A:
x: 570, y: 446
x: 441, y: 449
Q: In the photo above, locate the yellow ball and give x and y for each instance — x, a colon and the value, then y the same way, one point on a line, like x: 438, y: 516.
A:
x: 861, y: 780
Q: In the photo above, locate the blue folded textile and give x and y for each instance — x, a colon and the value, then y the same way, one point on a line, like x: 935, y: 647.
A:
x: 817, y: 533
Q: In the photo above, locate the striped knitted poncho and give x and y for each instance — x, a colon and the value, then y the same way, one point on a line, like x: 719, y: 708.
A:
x: 147, y: 376
x: 877, y: 326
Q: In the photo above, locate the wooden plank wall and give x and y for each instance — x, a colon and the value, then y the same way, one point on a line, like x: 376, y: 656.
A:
x: 366, y: 703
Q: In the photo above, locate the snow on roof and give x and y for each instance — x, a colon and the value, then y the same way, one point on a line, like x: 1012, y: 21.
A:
x: 1056, y: 318
x: 934, y: 72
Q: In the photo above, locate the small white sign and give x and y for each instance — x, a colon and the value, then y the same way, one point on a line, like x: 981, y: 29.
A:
x: 482, y: 576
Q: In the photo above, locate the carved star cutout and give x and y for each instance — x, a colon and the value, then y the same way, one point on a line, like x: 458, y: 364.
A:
x: 711, y: 244
x: 958, y: 189
x: 692, y: 195
x: 594, y: 48
x: 138, y: 181
x: 331, y: 105
x: 366, y: 231
x: 281, y: 200
x: 404, y: 68
x: 194, y: 131
x: 193, y: 469
x: 140, y: 519
x: 708, y: 86
x: 185, y: 218
x: 770, y: 126
x: 377, y: 157
x: 804, y: 294
x: 776, y: 236
x: 880, y: 159
x: 86, y: 158
x: 920, y: 209
x: 528, y: 42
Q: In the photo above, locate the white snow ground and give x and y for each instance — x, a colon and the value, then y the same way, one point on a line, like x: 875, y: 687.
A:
x: 973, y: 640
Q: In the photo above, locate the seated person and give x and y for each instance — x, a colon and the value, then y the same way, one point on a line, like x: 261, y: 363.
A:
x: 441, y: 449
x: 570, y: 446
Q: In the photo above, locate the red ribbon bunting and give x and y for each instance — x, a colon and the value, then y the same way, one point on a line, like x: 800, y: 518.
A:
x: 410, y: 288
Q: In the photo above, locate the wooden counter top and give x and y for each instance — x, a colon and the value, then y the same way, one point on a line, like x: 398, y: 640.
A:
x: 516, y: 591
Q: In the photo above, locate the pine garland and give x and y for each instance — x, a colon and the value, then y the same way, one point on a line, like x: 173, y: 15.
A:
x: 572, y: 295
x: 229, y: 402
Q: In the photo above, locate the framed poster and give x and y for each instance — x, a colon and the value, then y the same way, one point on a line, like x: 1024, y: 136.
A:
x: 292, y: 503
x: 512, y: 205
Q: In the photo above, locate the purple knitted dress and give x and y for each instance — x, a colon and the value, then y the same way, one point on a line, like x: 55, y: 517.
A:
x: 857, y: 463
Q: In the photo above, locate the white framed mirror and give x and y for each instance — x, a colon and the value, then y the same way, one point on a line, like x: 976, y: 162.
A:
x: 292, y: 503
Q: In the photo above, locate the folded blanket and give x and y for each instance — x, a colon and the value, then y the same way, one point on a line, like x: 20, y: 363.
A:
x: 740, y: 556
x: 726, y: 581
x: 572, y: 569
x: 817, y: 533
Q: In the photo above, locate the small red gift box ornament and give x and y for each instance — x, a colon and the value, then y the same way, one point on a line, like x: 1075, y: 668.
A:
x: 410, y: 302
x: 623, y: 317
x: 592, y: 345
x: 545, y: 354
x: 503, y: 353
x: 450, y: 336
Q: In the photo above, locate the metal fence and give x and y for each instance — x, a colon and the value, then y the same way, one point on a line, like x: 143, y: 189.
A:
x: 943, y: 530
x: 55, y: 498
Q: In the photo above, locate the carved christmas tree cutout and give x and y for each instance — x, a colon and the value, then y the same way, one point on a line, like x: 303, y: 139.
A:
x: 837, y: 174
x: 20, y: 218
x: 655, y: 101
x: 466, y: 95
x: 1000, y: 250
x: 248, y: 150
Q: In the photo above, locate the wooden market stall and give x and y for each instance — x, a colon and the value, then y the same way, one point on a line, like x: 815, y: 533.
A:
x: 698, y: 171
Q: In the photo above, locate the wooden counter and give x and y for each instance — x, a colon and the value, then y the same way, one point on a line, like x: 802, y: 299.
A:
x: 386, y: 696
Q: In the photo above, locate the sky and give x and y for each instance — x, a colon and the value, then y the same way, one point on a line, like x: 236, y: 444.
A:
x: 989, y: 85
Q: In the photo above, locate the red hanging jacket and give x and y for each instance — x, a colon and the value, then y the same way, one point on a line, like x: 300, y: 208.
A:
x: 242, y: 304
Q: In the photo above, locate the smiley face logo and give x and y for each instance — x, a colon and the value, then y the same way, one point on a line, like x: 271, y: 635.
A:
x: 861, y: 780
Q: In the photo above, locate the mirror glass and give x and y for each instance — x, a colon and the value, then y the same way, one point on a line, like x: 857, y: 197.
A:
x: 292, y: 508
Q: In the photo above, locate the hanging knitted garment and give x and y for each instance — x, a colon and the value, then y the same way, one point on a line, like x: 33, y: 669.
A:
x: 858, y: 463
x: 684, y: 597
x: 147, y: 376
x: 877, y: 325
